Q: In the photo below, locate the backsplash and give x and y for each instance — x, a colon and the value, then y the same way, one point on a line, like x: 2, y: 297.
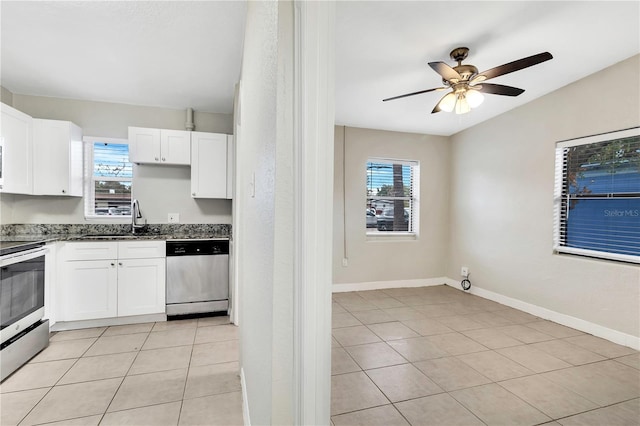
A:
x: 70, y: 229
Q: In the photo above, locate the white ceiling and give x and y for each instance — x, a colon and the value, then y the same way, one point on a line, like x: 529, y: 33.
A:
x: 382, y: 50
x: 173, y: 54
x: 188, y: 53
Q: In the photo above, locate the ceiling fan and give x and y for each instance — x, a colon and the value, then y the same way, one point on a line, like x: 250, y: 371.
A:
x: 467, y: 84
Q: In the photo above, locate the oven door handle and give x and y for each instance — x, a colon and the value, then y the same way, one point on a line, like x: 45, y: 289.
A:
x: 12, y: 259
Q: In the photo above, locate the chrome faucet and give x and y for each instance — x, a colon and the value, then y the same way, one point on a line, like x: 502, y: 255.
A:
x: 136, y: 214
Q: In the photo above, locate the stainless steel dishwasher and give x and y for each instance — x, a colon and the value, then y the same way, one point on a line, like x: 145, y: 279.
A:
x: 197, y: 276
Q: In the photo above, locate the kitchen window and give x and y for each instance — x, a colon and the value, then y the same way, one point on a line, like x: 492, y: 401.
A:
x: 108, y: 178
x: 392, y: 197
x: 597, y: 196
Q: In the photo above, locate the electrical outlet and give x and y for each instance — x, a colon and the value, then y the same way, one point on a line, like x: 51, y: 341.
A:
x: 464, y: 271
x: 345, y: 262
x: 174, y: 218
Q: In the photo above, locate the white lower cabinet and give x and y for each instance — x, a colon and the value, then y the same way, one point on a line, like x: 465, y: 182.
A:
x: 90, y: 290
x: 102, y: 280
x: 141, y: 286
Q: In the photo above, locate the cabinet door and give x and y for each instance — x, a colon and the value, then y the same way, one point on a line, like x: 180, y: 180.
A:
x: 16, y: 140
x: 144, y: 145
x: 90, y: 290
x: 175, y: 147
x: 57, y: 158
x: 208, y: 165
x: 141, y: 286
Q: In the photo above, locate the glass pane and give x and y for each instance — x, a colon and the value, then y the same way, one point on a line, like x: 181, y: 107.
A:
x: 111, y: 160
x: 112, y: 198
x: 605, y: 224
x: 388, y: 179
x: 381, y: 215
x: 22, y: 290
x: 604, y: 167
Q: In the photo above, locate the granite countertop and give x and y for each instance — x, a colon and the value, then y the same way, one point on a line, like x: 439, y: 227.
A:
x: 110, y: 237
x: 140, y: 237
x: 85, y: 232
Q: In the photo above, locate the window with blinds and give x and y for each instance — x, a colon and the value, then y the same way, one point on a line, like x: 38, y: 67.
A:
x: 109, y: 176
x: 392, y: 196
x: 597, y: 196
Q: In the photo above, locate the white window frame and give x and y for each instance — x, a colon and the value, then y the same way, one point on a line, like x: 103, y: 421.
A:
x: 558, y: 216
x: 89, y: 180
x: 414, y: 218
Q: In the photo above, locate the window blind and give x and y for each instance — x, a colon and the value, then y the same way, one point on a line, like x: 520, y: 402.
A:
x: 598, y: 196
x: 392, y: 194
x: 109, y: 178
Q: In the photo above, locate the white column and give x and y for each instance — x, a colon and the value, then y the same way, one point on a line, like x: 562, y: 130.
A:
x: 313, y: 171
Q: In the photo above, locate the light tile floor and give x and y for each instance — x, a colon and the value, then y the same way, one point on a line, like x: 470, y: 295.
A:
x: 167, y: 373
x: 409, y: 356
x: 438, y: 356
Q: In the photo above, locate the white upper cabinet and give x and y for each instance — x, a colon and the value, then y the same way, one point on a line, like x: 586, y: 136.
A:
x: 175, y: 147
x: 16, y: 144
x: 57, y: 158
x: 211, y: 165
x: 159, y: 146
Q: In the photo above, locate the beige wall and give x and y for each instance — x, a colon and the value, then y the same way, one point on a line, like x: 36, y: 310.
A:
x: 6, y: 97
x: 502, y: 179
x: 389, y: 259
x: 160, y: 189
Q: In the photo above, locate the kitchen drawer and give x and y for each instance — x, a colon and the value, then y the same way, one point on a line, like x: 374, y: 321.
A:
x: 145, y: 249
x: 90, y: 250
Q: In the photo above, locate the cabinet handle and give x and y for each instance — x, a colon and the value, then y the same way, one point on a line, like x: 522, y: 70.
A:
x: 193, y: 194
x: 64, y: 192
x: 120, y: 263
x: 163, y: 159
x: 157, y: 159
x: 113, y: 264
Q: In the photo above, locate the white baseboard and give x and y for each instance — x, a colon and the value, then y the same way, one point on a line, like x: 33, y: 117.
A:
x: 377, y: 285
x: 105, y: 322
x: 557, y: 317
x: 245, y: 401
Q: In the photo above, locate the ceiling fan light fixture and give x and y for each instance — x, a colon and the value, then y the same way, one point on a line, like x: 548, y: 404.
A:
x: 474, y: 98
x: 448, y: 103
x: 467, y: 83
x: 462, y: 106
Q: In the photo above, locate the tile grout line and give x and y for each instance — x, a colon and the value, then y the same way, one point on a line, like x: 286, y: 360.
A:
x: 125, y: 375
x: 57, y: 381
x: 184, y: 388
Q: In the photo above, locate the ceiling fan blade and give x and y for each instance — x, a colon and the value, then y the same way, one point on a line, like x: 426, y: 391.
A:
x: 499, y: 89
x: 517, y: 65
x: 445, y: 71
x: 414, y: 93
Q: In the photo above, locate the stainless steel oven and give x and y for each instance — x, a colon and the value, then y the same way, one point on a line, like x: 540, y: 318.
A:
x: 23, y: 331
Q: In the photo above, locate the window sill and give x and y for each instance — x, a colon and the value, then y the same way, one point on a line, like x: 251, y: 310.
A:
x: 597, y: 255
x: 391, y: 236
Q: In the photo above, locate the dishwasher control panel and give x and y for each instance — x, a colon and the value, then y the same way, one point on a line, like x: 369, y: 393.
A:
x: 197, y: 247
